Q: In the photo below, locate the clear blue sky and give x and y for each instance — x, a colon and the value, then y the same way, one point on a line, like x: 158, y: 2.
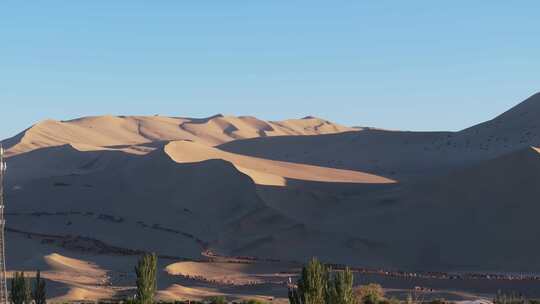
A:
x: 416, y: 65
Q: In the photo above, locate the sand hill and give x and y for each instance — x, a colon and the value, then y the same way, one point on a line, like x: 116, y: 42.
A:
x: 268, y: 172
x: 111, y: 131
x: 96, y: 192
x: 404, y: 155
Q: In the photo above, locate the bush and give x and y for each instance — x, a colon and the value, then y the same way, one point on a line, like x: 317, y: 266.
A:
x: 218, y: 300
x: 370, y: 294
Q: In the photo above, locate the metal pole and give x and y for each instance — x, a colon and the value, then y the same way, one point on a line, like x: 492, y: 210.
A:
x: 3, y: 279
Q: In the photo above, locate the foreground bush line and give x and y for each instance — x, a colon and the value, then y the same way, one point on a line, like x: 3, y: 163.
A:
x: 318, y: 284
x: 212, y: 300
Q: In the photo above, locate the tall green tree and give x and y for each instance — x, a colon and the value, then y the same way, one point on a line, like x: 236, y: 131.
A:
x: 20, y: 289
x: 39, y: 294
x: 312, y: 286
x: 146, y: 271
x: 340, y: 288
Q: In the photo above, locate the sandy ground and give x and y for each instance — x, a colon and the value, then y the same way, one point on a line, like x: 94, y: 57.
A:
x: 76, y: 276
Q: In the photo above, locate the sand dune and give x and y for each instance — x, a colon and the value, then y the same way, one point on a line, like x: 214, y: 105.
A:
x: 175, y: 209
x: 83, y: 294
x: 230, y: 273
x: 69, y: 277
x: 69, y: 159
x: 404, y: 155
x: 517, y: 127
x: 179, y: 292
x: 114, y: 186
x: 473, y: 218
x: 268, y: 172
x: 64, y: 264
x: 393, y: 154
x: 102, y: 131
x: 495, y: 203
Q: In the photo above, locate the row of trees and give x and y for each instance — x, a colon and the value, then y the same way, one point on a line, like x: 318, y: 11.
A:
x: 21, y: 291
x: 318, y: 284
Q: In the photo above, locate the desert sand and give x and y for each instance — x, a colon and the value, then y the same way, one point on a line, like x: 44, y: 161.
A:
x: 86, y: 197
x: 110, y: 131
x: 268, y: 172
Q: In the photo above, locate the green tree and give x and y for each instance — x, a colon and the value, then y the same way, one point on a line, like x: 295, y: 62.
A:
x: 20, y: 289
x: 146, y: 271
x: 312, y: 286
x: 340, y: 289
x: 39, y: 290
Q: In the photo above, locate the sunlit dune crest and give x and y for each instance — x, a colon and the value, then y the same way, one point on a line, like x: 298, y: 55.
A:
x: 268, y: 172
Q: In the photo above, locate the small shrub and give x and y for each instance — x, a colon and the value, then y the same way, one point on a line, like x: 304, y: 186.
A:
x: 218, y: 300
x: 370, y: 294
